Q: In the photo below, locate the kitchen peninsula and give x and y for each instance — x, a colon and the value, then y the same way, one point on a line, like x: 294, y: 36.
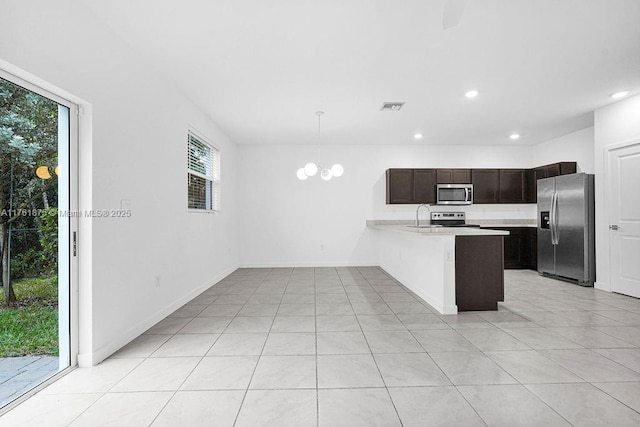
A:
x: 452, y: 269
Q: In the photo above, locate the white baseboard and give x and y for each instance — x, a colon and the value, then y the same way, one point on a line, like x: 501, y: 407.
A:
x: 309, y: 264
x: 92, y: 359
x: 603, y: 286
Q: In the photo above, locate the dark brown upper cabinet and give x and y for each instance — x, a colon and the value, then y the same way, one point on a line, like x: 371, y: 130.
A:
x: 453, y: 176
x: 424, y: 185
x: 407, y: 186
x: 567, y: 168
x: 399, y: 186
x: 542, y: 172
x: 530, y: 185
x: 547, y: 171
x: 412, y: 186
x: 486, y: 185
x: 555, y: 169
x: 552, y: 170
x: 513, y: 186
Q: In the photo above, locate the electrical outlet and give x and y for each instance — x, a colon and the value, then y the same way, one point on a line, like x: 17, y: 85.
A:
x: 322, y: 247
x: 157, y: 281
x: 449, y: 255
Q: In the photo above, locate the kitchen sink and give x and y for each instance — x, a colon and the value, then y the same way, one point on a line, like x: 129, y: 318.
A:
x: 424, y: 226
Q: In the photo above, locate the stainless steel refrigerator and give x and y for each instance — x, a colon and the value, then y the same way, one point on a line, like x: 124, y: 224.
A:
x: 566, y: 238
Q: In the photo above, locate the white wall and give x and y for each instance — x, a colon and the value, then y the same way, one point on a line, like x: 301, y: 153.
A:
x: 137, y: 152
x: 574, y: 147
x: 614, y: 124
x: 290, y: 222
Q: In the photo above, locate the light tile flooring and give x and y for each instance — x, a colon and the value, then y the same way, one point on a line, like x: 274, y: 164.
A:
x: 350, y: 347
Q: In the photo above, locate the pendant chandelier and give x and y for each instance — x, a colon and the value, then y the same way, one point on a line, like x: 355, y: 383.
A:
x: 311, y: 169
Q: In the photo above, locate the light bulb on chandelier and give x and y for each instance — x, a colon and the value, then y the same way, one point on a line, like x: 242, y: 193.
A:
x: 311, y: 169
x: 301, y: 174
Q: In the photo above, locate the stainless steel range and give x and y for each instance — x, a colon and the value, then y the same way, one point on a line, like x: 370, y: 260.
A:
x: 450, y: 219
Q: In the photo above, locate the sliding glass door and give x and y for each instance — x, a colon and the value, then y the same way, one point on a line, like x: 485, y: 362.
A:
x: 37, y: 135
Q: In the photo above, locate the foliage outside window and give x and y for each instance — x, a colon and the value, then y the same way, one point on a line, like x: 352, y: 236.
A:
x: 203, y: 174
x: 28, y: 138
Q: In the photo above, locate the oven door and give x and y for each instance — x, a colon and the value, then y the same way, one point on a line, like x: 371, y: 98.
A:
x: 454, y: 194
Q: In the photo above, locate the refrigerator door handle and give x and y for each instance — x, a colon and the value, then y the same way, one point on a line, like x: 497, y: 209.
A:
x: 555, y: 220
x: 552, y: 219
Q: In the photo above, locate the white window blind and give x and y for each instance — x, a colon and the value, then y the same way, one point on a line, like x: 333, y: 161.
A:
x: 203, y: 174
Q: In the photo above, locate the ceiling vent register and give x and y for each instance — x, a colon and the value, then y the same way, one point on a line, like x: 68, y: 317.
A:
x: 392, y: 106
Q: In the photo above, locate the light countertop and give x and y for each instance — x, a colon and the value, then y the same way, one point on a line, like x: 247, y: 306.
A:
x: 403, y: 227
x: 488, y: 223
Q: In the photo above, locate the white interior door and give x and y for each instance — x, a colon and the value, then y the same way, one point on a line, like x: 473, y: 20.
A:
x: 624, y: 218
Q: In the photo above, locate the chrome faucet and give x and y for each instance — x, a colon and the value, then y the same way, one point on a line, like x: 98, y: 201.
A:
x: 418, y: 212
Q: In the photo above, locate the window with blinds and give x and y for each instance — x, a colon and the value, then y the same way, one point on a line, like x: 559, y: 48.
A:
x: 203, y: 174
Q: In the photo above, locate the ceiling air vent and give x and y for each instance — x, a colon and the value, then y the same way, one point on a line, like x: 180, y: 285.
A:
x: 391, y: 106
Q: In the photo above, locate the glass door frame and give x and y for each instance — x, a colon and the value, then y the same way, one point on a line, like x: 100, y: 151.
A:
x: 67, y: 230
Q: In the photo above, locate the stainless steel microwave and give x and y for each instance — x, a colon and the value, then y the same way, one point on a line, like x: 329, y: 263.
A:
x: 454, y: 194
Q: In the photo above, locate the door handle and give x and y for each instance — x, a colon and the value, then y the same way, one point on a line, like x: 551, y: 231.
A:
x: 553, y: 198
x: 555, y: 220
x: 552, y: 219
x: 614, y: 227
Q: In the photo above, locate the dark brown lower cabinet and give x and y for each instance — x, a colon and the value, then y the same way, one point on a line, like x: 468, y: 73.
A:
x: 479, y: 272
x: 520, y: 248
x: 514, y: 249
x: 531, y: 248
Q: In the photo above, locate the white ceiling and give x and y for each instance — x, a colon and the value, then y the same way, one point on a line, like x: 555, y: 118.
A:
x: 261, y: 68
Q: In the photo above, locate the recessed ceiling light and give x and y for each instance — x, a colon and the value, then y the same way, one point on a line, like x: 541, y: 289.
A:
x: 471, y: 93
x: 620, y: 94
x: 514, y: 136
x: 418, y: 136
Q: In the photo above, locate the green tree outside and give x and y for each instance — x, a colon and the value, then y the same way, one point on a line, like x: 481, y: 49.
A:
x: 28, y: 139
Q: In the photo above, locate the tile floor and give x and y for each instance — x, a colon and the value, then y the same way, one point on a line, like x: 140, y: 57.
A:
x: 350, y: 347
